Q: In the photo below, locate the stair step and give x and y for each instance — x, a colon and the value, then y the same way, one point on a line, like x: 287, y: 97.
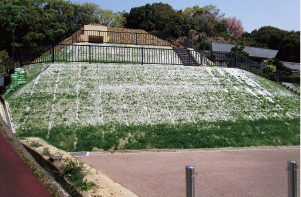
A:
x: 185, y: 57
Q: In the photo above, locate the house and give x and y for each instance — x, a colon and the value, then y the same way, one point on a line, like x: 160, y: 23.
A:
x: 292, y: 65
x: 256, y: 54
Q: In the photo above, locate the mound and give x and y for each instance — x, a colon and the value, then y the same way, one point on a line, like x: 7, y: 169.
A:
x: 78, y: 106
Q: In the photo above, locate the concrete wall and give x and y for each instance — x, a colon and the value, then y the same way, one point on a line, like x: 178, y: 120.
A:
x: 95, y: 35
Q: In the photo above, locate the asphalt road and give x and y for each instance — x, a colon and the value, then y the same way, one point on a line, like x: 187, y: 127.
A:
x: 230, y: 172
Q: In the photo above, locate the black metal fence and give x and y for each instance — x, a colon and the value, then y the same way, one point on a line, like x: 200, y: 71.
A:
x: 219, y: 58
x: 93, y: 53
x: 99, y: 53
x: 112, y: 37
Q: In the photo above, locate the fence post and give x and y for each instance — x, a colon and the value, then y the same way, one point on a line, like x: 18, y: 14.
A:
x: 232, y: 62
x: 99, y: 36
x: 292, y: 178
x: 89, y: 54
x: 136, y: 38
x: 52, y: 46
x: 21, y: 61
x: 188, y: 55
x: 190, y: 182
x: 142, y: 54
x: 201, y: 59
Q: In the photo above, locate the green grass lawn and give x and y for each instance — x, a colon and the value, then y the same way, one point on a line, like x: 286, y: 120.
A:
x: 78, y: 106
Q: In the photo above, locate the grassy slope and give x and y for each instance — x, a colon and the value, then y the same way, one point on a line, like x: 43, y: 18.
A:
x: 81, y: 106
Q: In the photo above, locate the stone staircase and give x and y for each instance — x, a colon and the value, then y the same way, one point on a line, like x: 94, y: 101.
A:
x: 185, y: 56
x: 289, y: 88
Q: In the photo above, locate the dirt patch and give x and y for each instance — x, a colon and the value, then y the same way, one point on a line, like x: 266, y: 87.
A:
x: 104, y: 185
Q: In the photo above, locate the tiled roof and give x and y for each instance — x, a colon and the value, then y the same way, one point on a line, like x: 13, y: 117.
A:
x: 253, y: 51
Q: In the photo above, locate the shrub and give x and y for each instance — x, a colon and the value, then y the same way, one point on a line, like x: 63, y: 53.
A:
x: 74, y: 172
x: 286, y: 69
x: 295, y: 77
x: 271, y: 68
x: 46, y: 151
x: 3, y: 55
x: 35, y: 144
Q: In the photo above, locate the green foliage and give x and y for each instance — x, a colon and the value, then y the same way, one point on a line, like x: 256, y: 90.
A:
x: 240, y: 50
x: 278, y: 65
x: 178, y: 25
x: 201, y: 43
x: 62, y: 137
x: 41, y: 23
x: 26, y: 158
x: 290, y: 47
x: 242, y: 133
x: 3, y: 55
x: 288, y: 43
x: 46, y: 151
x: 207, y: 19
x: 159, y: 17
x: 203, y: 134
x: 271, y: 68
x: 89, y: 137
x: 32, y: 131
x: 35, y: 144
x: 141, y: 18
x: 272, y: 36
x: 74, y: 172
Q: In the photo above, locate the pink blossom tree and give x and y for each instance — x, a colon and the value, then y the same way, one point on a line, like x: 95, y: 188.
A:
x: 234, y: 26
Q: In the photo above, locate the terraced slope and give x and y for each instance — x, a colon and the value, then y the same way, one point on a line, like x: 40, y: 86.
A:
x: 127, y: 101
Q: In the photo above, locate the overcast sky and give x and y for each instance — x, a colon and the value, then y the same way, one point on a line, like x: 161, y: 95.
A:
x: 284, y: 14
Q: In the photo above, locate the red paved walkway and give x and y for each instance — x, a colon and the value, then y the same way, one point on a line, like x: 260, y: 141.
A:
x: 16, y: 178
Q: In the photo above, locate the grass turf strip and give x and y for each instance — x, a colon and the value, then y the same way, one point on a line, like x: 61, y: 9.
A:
x: 241, y: 133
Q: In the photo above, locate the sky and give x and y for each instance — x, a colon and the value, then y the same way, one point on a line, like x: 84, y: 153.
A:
x: 283, y: 14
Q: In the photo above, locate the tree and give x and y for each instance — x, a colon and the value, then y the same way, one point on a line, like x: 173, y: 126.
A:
x: 178, y: 25
x: 191, y: 11
x: 207, y: 18
x: 234, y: 27
x: 105, y: 17
x: 288, y: 43
x: 271, y: 36
x: 85, y: 14
x: 119, y: 19
x: 239, y: 49
x: 36, y: 31
x: 141, y: 18
x: 201, y: 43
x: 162, y: 13
x: 290, y: 47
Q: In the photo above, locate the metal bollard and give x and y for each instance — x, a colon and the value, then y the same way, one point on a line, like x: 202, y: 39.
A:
x: 190, y: 174
x: 292, y: 178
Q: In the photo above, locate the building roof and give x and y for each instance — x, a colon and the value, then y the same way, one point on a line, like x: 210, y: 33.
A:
x: 253, y: 51
x: 292, y: 65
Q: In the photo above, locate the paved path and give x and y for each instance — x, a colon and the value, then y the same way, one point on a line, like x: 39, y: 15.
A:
x: 243, y: 172
x: 16, y: 178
